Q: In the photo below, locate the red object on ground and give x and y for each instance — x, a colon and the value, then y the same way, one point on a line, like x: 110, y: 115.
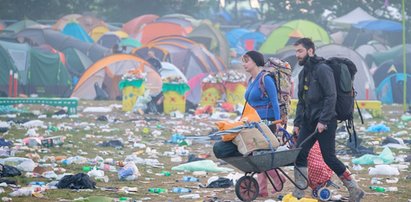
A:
x: 16, y: 83
x: 11, y: 84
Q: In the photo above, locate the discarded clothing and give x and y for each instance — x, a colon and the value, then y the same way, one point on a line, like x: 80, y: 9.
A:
x: 221, y: 182
x: 112, y: 143
x: 4, y: 143
x: 78, y: 181
x: 9, y: 171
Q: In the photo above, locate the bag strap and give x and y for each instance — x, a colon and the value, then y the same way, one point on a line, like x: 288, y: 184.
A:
x: 265, y: 136
x: 349, y: 125
x: 359, y: 112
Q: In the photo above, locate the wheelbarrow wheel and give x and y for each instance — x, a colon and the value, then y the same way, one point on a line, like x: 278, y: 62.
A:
x: 246, y: 188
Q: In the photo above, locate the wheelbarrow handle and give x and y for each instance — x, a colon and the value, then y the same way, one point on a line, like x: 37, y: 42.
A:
x: 309, y: 137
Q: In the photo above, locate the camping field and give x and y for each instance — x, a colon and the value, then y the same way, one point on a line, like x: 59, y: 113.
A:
x: 83, y: 133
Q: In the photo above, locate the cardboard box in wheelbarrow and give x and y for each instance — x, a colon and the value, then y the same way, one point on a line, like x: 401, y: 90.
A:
x: 251, y: 139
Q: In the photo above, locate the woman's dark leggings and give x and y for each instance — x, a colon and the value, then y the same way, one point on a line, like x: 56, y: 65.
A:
x: 326, y: 139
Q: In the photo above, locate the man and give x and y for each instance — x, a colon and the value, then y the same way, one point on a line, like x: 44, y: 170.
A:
x: 152, y: 59
x: 317, y: 96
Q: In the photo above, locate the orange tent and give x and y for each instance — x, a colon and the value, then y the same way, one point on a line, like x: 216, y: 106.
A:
x: 107, y: 72
x: 158, y: 29
x: 133, y: 26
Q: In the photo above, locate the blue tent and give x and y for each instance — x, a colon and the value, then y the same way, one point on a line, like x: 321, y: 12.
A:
x: 256, y: 38
x: 391, y: 89
x: 75, y: 30
x: 379, y: 25
x: 234, y: 35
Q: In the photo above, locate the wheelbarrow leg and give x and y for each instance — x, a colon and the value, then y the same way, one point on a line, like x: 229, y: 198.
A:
x: 273, y: 183
x: 292, y: 181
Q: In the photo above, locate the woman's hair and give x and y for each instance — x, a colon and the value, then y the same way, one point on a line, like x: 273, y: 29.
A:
x: 256, y: 56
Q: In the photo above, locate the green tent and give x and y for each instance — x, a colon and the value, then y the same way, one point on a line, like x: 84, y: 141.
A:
x: 77, y: 61
x: 288, y: 33
x: 391, y: 54
x: 6, y: 64
x: 40, y: 72
x: 20, y: 25
x: 47, y: 76
x: 129, y: 42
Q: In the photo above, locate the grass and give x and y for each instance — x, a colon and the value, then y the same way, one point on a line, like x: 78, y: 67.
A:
x: 84, y: 143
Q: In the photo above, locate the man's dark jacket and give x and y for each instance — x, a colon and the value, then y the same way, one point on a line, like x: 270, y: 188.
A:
x: 317, y: 104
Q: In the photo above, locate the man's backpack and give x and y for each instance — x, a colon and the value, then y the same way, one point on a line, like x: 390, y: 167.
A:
x: 280, y: 71
x: 344, y: 74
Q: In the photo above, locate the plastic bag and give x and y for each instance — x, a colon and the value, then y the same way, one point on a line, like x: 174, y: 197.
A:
x: 205, y: 165
x: 386, y: 156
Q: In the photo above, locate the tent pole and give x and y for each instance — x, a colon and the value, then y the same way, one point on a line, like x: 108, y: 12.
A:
x: 404, y: 56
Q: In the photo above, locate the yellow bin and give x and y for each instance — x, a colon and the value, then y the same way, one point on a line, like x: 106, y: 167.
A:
x: 131, y: 90
x: 211, y: 93
x: 174, y: 97
x: 235, y: 92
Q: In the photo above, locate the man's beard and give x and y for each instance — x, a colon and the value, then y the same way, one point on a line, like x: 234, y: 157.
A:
x: 303, y: 61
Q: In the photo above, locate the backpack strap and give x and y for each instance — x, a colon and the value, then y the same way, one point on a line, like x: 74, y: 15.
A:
x: 262, y: 84
x: 349, y: 125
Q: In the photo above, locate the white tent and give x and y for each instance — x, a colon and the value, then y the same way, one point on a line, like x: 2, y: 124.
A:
x: 168, y: 69
x: 355, y: 16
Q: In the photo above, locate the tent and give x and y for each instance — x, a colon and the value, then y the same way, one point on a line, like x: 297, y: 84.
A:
x: 395, y: 53
x: 370, y: 48
x: 234, y: 35
x: 250, y: 41
x: 21, y: 25
x: 40, y: 72
x: 168, y: 69
x: 390, y: 67
x: 2, y: 25
x: 77, y: 62
x: 107, y: 73
x: 88, y: 22
x: 194, y: 22
x: 267, y: 27
x: 109, y: 39
x: 186, y: 24
x: 6, y: 64
x: 363, y: 83
x: 133, y: 26
x: 289, y: 32
x: 194, y: 94
x: 379, y: 25
x: 60, y: 42
x: 160, y: 29
x: 190, y: 57
x: 61, y: 23
x: 390, y: 90
x: 353, y: 17
x: 212, y: 39
x: 76, y: 31
x: 98, y: 31
x: 386, y: 31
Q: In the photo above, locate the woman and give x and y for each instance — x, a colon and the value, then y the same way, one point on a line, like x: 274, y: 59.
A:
x: 266, y: 105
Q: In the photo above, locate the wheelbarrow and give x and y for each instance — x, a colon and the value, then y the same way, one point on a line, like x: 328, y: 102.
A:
x: 247, y: 188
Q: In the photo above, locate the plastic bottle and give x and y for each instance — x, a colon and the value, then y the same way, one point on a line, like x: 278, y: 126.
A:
x: 157, y: 190
x: 383, y: 189
x: 86, y: 168
x: 181, y: 190
x: 190, y: 179
x: 165, y: 173
x: 37, y: 183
